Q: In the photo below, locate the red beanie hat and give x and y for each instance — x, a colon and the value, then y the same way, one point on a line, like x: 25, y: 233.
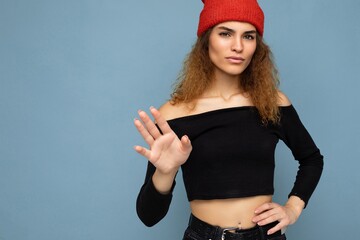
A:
x: 217, y: 11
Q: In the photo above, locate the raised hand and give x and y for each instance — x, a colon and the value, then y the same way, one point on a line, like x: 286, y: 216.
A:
x: 166, y: 151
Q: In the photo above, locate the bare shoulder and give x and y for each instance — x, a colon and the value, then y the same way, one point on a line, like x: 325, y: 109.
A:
x: 283, y: 100
x: 170, y: 111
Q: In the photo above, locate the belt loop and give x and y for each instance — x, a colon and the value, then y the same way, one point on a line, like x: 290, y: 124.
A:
x: 190, y: 219
x: 262, y: 233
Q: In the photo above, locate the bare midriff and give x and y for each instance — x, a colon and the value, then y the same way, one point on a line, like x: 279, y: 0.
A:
x: 229, y: 212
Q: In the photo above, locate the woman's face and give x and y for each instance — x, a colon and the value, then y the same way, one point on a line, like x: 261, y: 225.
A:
x: 231, y: 46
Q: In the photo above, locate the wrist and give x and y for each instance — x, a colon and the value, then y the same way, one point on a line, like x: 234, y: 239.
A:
x: 169, y: 172
x: 163, y: 182
x: 296, y: 206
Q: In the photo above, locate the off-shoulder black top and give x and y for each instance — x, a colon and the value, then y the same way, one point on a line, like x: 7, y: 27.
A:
x: 233, y: 157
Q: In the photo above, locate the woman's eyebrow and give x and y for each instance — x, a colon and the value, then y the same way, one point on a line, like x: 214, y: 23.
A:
x: 232, y: 30
x: 226, y: 28
x: 250, y: 32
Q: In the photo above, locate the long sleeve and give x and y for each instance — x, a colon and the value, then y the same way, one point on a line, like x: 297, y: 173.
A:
x: 303, y: 148
x: 152, y: 206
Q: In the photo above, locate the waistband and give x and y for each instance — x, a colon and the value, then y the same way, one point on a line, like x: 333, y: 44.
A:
x: 208, y: 231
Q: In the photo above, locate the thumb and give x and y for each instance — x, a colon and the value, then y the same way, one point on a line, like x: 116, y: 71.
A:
x: 185, y: 143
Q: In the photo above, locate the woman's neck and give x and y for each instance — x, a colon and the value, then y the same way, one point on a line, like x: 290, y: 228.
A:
x: 223, y: 86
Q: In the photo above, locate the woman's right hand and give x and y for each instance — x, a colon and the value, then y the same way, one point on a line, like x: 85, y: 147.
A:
x: 166, y: 151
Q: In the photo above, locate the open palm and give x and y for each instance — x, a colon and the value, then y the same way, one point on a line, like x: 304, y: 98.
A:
x: 166, y: 151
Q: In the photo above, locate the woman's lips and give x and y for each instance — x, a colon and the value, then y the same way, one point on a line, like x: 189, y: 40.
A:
x: 235, y: 59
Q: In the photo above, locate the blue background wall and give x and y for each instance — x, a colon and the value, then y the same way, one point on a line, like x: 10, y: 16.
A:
x: 74, y: 73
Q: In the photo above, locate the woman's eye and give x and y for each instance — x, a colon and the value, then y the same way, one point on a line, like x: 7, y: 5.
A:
x: 225, y: 34
x: 249, y: 37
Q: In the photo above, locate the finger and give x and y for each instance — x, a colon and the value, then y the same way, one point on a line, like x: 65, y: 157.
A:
x: 143, y: 132
x: 143, y: 151
x: 185, y: 143
x: 273, y: 230
x: 266, y: 213
x: 149, y: 124
x: 268, y: 218
x: 161, y: 122
x: 265, y: 207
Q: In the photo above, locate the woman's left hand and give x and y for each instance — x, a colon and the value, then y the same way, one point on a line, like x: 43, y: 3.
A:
x: 285, y: 215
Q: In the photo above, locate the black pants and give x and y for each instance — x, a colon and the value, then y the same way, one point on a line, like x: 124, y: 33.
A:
x: 199, y: 230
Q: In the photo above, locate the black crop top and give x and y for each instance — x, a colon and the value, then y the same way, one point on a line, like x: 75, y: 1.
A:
x: 233, y: 156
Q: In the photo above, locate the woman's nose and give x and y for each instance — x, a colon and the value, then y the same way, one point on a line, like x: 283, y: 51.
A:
x: 237, y: 45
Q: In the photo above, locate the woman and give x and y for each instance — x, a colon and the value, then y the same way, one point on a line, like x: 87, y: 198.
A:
x: 221, y: 127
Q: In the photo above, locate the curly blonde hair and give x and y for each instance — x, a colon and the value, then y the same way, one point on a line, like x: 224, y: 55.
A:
x: 259, y: 80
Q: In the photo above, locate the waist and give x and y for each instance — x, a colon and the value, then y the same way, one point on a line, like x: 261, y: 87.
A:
x: 229, y: 212
x: 208, y: 231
